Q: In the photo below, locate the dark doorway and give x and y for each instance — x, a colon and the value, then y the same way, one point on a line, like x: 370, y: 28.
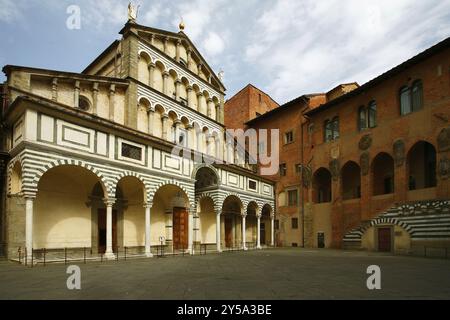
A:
x: 321, y: 240
x: 384, y: 239
x: 228, y: 232
x: 102, y: 230
x: 262, y: 233
x: 180, y: 229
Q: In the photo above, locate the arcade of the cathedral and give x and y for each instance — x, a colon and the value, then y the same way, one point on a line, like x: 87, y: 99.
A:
x: 92, y: 163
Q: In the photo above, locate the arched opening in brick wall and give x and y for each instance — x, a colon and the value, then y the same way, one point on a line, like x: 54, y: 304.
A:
x: 351, y: 181
x: 383, y: 174
x: 322, y: 186
x: 421, y: 165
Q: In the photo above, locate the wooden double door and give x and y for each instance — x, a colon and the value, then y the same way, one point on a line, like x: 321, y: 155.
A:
x: 101, y: 222
x: 180, y: 228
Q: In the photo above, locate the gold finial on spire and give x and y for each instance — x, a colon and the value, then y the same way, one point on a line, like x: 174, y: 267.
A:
x: 181, y: 26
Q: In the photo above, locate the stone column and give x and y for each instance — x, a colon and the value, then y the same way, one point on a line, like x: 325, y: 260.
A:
x: 165, y: 83
x: 244, y: 236
x: 217, y: 112
x: 112, y: 103
x: 177, y: 124
x: 272, y: 230
x: 151, y: 119
x: 219, y: 249
x: 189, y: 90
x: 178, y: 54
x: 77, y: 94
x: 151, y: 78
x: 109, y: 219
x: 169, y: 227
x: 190, y: 136
x: 191, y: 232
x: 95, y: 98
x: 199, y: 101
x: 166, y: 45
x: 164, y: 119
x: 177, y: 89
x: 148, y: 251
x: 258, y: 231
x: 29, y: 201
x: 55, y: 89
x: 189, y: 58
x: 210, y: 107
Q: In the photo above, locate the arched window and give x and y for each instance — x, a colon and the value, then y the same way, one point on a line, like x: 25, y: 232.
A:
x: 417, y: 95
x: 362, y: 118
x: 422, y: 166
x: 351, y: 181
x: 322, y: 186
x: 372, y: 114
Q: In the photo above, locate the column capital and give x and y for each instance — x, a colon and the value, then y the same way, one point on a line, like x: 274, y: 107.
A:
x: 151, y: 65
x: 258, y: 215
x: 150, y: 110
x: 29, y: 196
x: 178, y: 81
x: 199, y: 94
x: 165, y: 74
x: 189, y: 88
x: 164, y: 116
x: 109, y: 202
x: 244, y: 214
x: 148, y: 205
x: 209, y: 100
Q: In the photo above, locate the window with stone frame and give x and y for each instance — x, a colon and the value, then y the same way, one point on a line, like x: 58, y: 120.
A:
x: 289, y: 137
x: 292, y: 198
x: 132, y: 152
x: 331, y: 129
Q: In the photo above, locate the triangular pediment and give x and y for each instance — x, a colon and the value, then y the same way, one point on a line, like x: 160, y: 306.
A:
x: 147, y: 33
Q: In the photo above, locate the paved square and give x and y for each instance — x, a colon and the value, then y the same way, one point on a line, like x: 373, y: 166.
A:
x: 267, y: 274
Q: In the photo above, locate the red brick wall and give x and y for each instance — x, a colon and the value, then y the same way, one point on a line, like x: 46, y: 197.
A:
x: 424, y: 125
x: 244, y: 105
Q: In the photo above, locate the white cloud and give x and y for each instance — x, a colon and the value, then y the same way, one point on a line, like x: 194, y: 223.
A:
x: 213, y: 44
x: 311, y: 46
x: 10, y: 10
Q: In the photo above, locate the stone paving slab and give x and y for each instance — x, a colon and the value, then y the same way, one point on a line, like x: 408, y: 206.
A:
x: 261, y: 275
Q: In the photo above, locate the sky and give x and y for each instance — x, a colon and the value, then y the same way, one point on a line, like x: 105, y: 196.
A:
x: 284, y: 47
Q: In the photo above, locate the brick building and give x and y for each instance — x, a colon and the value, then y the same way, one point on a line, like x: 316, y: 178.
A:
x: 379, y: 160
x: 247, y: 104
x: 367, y: 167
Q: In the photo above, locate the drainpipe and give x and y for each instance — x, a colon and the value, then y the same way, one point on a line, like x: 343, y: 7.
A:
x: 302, y: 186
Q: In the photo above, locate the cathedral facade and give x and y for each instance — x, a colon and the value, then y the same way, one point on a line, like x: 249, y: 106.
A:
x: 92, y: 162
